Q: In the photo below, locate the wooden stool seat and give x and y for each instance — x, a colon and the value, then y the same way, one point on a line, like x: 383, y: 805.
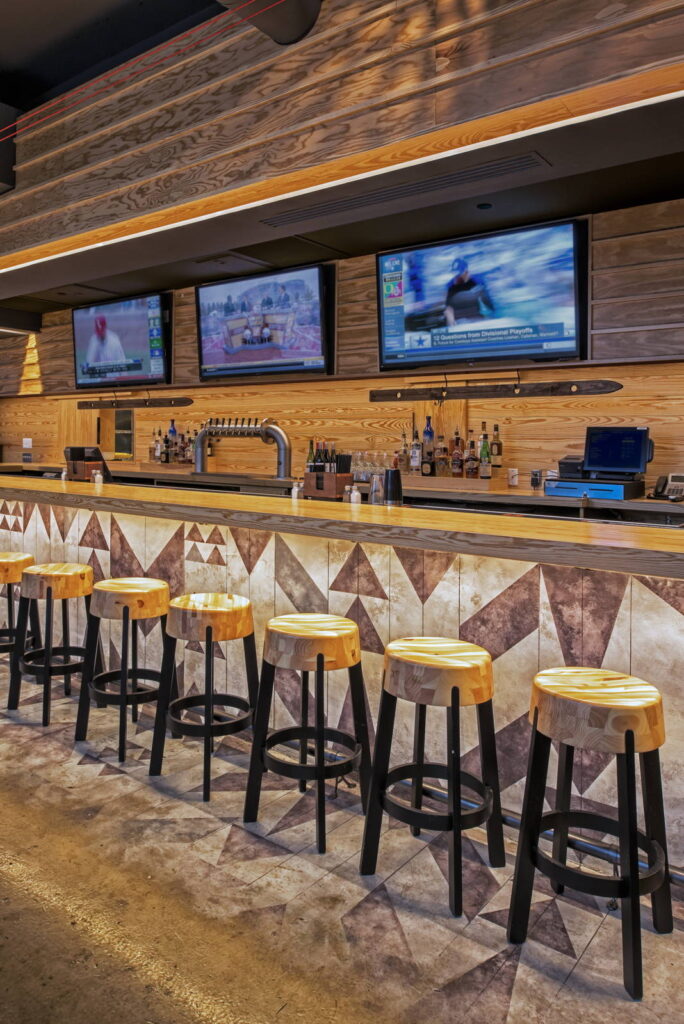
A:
x: 144, y: 598
x: 592, y: 709
x: 12, y: 564
x: 295, y: 641
x: 65, y: 580
x: 424, y: 669
x: 228, y: 615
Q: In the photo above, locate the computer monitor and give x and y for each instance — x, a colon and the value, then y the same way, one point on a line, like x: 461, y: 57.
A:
x: 624, y: 450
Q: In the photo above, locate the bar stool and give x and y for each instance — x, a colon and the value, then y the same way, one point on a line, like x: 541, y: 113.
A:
x: 52, y: 581
x: 204, y: 618
x: 12, y: 564
x: 436, y: 672
x: 596, y: 709
x: 316, y: 643
x: 129, y: 599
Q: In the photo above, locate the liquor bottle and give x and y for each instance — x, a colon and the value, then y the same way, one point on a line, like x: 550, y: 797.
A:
x: 427, y: 463
x: 428, y: 439
x: 485, y: 458
x: 165, y: 457
x: 210, y: 448
x: 457, y: 456
x: 471, y: 461
x: 403, y: 457
x: 158, y: 447
x: 172, y: 429
x: 483, y: 432
x: 416, y: 454
x: 442, y: 466
x: 497, y: 451
x: 332, y: 463
x: 310, y: 458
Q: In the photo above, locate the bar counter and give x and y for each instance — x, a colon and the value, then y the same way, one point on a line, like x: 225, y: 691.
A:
x: 535, y: 592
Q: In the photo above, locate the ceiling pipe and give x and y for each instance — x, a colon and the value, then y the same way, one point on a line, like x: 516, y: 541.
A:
x: 286, y: 23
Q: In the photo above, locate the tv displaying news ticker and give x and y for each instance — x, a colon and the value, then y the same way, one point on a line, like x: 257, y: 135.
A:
x: 265, y: 323
x: 510, y: 295
x: 122, y: 342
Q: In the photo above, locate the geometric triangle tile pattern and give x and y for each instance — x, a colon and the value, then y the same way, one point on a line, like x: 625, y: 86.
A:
x: 357, y: 576
x: 425, y: 569
x: 508, y: 618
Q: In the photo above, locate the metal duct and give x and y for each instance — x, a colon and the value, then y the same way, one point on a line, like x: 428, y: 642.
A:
x: 286, y: 23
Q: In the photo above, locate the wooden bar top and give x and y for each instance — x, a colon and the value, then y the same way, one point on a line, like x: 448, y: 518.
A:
x: 622, y: 547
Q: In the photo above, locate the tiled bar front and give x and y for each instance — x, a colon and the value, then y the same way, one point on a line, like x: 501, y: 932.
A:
x: 527, y: 615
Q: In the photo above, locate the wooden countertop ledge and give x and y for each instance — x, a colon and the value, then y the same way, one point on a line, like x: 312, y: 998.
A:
x: 620, y: 547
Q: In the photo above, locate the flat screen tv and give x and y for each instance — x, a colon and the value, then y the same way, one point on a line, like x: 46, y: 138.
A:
x: 265, y: 323
x: 513, y: 295
x: 123, y: 342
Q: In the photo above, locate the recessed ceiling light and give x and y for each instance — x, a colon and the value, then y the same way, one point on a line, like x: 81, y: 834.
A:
x: 484, y: 206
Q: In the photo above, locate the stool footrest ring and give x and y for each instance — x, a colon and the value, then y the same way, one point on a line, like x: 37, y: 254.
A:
x: 8, y: 637
x: 98, y: 686
x: 434, y: 820
x: 309, y: 772
x: 597, y: 885
x: 196, y: 702
x: 32, y: 662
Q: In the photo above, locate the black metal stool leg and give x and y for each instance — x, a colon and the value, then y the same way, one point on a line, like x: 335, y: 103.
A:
x: 208, y: 710
x: 66, y: 643
x: 304, y: 721
x: 489, y: 765
x: 17, y: 652
x: 252, y: 668
x: 99, y: 664
x: 92, y: 640
x: 566, y: 757
x: 10, y: 608
x: 533, y: 807
x: 381, y: 759
x: 134, y: 666
x: 454, y: 800
x: 629, y: 870
x: 320, y: 753
x: 123, y: 693
x: 166, y: 693
x: 419, y: 760
x: 175, y: 694
x: 34, y: 619
x: 360, y: 712
x: 47, y: 676
x: 654, y: 814
x: 256, y: 766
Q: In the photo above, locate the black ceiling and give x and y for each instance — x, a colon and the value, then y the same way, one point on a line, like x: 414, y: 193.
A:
x: 49, y: 46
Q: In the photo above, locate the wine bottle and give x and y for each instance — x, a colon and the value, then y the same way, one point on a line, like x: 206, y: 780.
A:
x: 311, y: 457
x: 471, y: 461
x: 483, y: 431
x: 485, y: 458
x: 457, y: 456
x: 416, y: 455
x: 497, y: 450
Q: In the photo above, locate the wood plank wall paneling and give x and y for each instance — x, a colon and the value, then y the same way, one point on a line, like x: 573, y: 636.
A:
x: 240, y: 109
x: 637, y: 298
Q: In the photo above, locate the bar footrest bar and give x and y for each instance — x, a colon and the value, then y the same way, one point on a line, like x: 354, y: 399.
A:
x: 584, y: 881
x: 309, y: 772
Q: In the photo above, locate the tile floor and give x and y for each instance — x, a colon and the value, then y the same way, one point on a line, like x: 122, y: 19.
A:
x: 390, y: 937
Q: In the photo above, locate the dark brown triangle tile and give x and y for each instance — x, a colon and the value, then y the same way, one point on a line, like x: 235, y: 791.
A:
x: 244, y: 845
x: 564, y: 589
x: 16, y: 525
x: 3, y: 508
x: 508, y: 618
x: 28, y: 511
x: 288, y: 686
x: 591, y: 764
x: 546, y: 926
x: 602, y: 594
x: 347, y: 579
x: 194, y: 534
x: 216, y: 558
x: 251, y: 544
x: 265, y: 922
x: 44, y: 512
x: 374, y: 932
x: 64, y: 517
x: 369, y: 584
x: 481, y: 994
x: 169, y: 564
x: 194, y: 554
x: 413, y: 562
x: 111, y: 769
x: 194, y: 645
x: 216, y: 537
x: 94, y: 563
x: 346, y: 721
x: 370, y: 641
x: 436, y: 564
x: 512, y: 744
x: 670, y: 591
x: 124, y: 561
x: 92, y: 536
x: 479, y: 884
x: 295, y: 582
